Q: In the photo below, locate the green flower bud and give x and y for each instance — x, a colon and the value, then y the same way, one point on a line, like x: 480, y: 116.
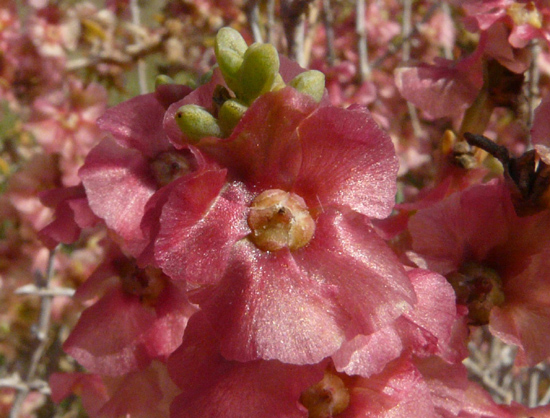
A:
x: 163, y: 79
x: 230, y: 114
x: 230, y: 48
x: 311, y: 82
x: 258, y: 72
x: 196, y: 122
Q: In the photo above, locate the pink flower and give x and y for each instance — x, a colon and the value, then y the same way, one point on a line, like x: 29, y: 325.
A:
x: 140, y: 316
x: 270, y: 290
x: 142, y: 394
x: 525, y: 20
x: 496, y: 261
x: 125, y: 170
x: 64, y: 123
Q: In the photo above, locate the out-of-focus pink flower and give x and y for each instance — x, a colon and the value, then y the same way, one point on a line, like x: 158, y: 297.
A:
x: 142, y: 394
x: 299, y: 301
x: 525, y: 20
x: 72, y: 214
x: 446, y: 88
x: 496, y: 261
x: 64, y: 122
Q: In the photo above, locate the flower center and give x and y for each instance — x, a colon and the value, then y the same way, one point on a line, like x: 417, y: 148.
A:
x: 170, y: 165
x: 280, y: 219
x: 327, y: 398
x: 479, y: 288
x: 146, y: 283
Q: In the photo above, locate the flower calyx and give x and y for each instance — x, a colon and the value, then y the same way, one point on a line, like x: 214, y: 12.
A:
x: 280, y: 219
x: 327, y: 398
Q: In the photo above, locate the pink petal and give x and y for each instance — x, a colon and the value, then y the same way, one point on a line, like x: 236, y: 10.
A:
x: 198, y: 228
x: 215, y: 387
x: 137, y: 123
x: 118, y: 184
x: 523, y: 319
x: 366, y: 355
x: 372, y: 286
x: 108, y: 337
x: 347, y: 160
x: 430, y: 323
x: 439, y: 90
x: 447, y: 384
x: 479, y: 403
x: 398, y: 392
x: 267, y: 307
x: 263, y: 150
x: 166, y: 94
x: 90, y: 386
x: 463, y: 227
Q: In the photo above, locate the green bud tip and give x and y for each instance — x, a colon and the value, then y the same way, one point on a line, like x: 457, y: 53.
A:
x: 163, y: 79
x: 230, y: 114
x: 258, y: 71
x: 196, y: 123
x: 230, y: 48
x: 310, y: 82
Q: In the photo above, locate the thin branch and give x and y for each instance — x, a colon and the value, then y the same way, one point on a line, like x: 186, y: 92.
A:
x: 31, y: 289
x: 447, y: 50
x: 270, y: 26
x: 406, y: 29
x: 362, y: 46
x: 292, y: 13
x: 406, y: 32
x: 41, y: 336
x: 328, y: 21
x: 534, y: 380
x: 486, y: 379
x: 141, y: 65
x: 533, y: 91
x: 253, y: 17
x: 396, y: 45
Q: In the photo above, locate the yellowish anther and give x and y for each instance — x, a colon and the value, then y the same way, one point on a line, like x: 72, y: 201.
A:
x: 280, y: 219
x: 328, y: 398
x: 525, y: 14
x: 163, y: 79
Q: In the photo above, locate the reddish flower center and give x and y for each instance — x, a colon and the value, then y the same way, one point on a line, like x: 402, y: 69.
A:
x: 327, y: 398
x: 146, y: 283
x: 170, y: 165
x: 479, y: 288
x: 280, y: 219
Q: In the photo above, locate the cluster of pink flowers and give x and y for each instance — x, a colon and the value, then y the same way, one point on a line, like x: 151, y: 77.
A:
x: 248, y: 247
x: 249, y: 270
